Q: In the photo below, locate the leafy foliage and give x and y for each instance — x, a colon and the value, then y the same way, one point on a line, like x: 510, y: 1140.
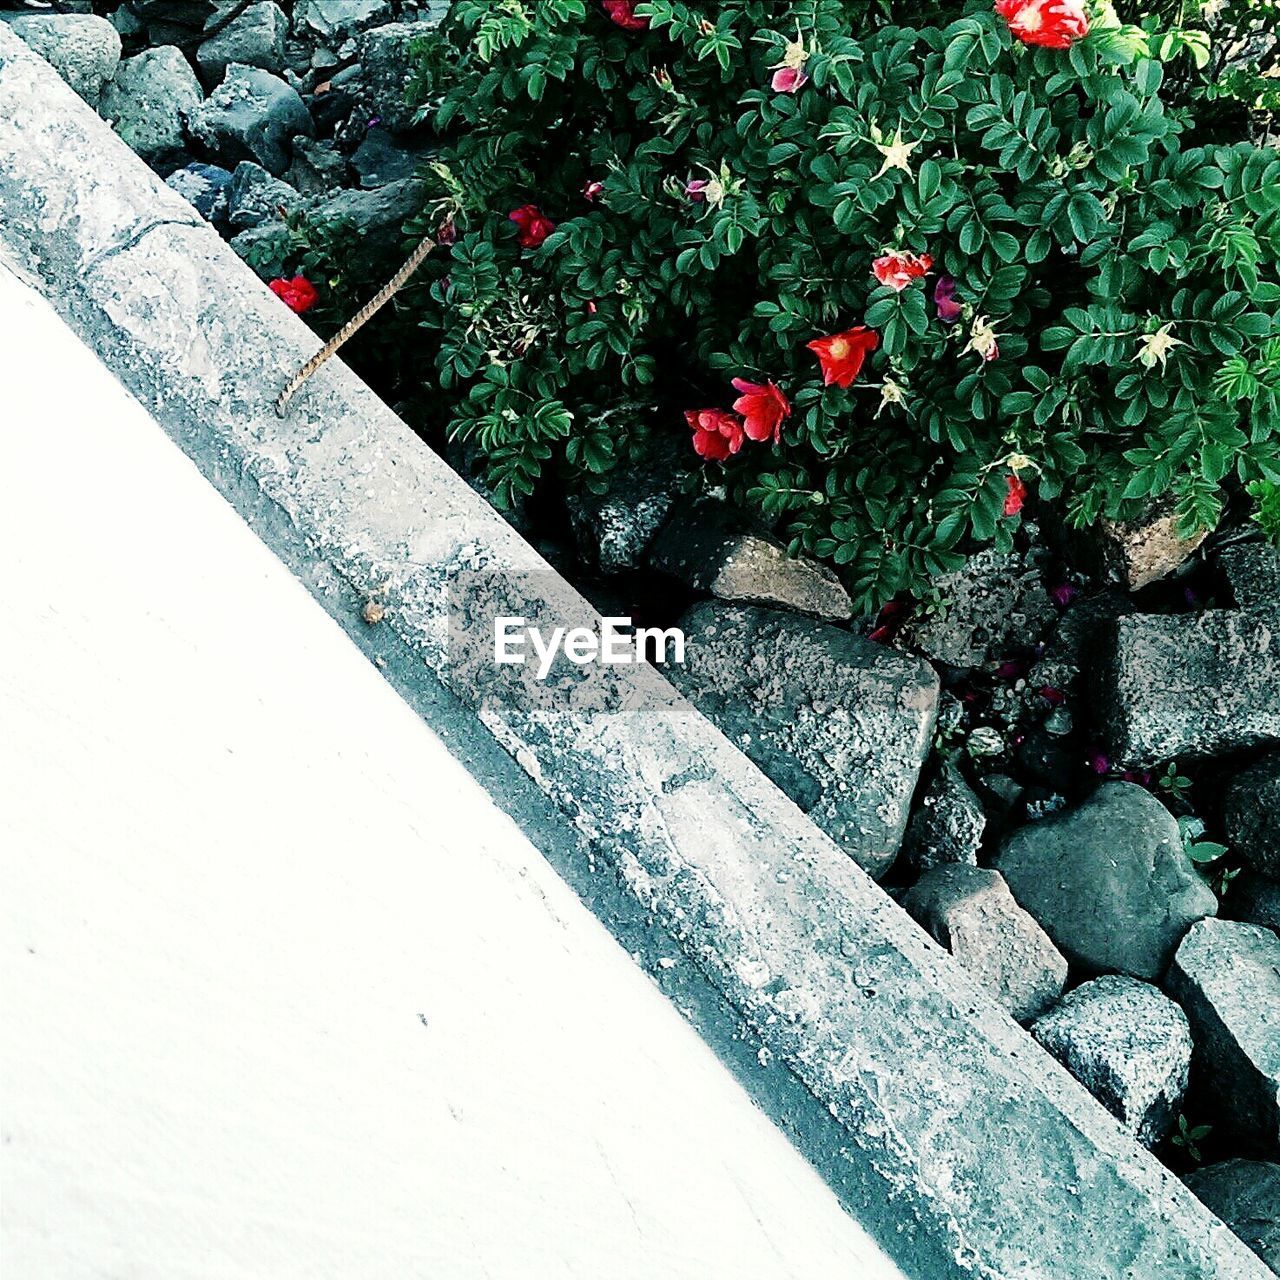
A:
x: 1124, y: 263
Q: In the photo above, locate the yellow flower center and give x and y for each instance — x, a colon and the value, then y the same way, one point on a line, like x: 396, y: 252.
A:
x: 839, y: 349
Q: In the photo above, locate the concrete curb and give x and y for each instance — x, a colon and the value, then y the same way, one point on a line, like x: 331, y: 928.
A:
x: 957, y: 1135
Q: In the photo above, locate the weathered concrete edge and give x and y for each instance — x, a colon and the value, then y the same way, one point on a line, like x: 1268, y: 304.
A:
x: 984, y: 1144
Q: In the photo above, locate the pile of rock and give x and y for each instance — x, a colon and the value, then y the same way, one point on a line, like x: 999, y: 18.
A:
x: 254, y: 110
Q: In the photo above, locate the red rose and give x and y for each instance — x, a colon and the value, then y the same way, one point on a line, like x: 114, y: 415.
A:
x: 623, y: 14
x: 593, y: 191
x: 1051, y: 24
x: 841, y: 355
x: 534, y: 226
x: 1016, y: 496
x: 298, y: 294
x: 716, y: 434
x: 763, y: 408
x: 898, y: 270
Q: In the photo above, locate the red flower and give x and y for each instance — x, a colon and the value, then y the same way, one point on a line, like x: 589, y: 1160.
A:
x: 623, y: 14
x: 788, y: 80
x: 841, y: 355
x: 1016, y: 496
x: 534, y: 226
x: 1051, y: 24
x: 763, y: 408
x: 593, y: 191
x: 716, y: 434
x: 447, y: 232
x: 898, y: 270
x: 298, y: 294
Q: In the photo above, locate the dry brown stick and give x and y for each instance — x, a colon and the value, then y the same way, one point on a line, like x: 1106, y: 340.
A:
x: 356, y: 323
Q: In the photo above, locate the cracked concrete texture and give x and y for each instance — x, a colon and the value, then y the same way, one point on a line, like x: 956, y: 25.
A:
x: 979, y: 1156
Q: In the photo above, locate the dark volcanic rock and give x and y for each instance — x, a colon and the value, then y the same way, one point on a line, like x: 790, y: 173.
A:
x: 1245, y: 1194
x: 252, y: 115
x: 1255, y: 900
x: 994, y: 602
x: 946, y: 823
x: 1190, y: 685
x: 1108, y: 881
x: 1252, y: 573
x: 1251, y: 815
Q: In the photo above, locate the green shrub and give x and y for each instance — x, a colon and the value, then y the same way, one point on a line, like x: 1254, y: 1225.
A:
x: 1114, y: 270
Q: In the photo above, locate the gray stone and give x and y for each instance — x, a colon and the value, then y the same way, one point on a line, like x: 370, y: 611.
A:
x: 150, y: 101
x: 615, y: 528
x: 971, y: 912
x: 317, y: 169
x: 206, y: 187
x: 1189, y: 685
x: 252, y: 115
x: 840, y: 723
x: 711, y: 548
x: 379, y: 159
x: 1251, y: 815
x: 82, y: 49
x: 1245, y: 1194
x: 1108, y: 881
x: 1129, y: 1045
x: 386, y: 55
x: 1252, y: 573
x: 946, y: 822
x: 334, y: 20
x: 994, y: 602
x: 256, y: 197
x: 254, y: 39
x: 1226, y: 976
x: 1255, y: 900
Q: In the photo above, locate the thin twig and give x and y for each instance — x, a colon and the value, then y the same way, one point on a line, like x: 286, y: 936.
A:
x: 356, y: 323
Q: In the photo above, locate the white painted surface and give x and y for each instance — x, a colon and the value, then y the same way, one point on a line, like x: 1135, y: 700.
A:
x: 285, y: 994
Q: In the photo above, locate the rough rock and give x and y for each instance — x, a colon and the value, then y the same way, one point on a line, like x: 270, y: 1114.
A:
x: 206, y: 187
x: 1255, y: 900
x: 252, y: 115
x: 1251, y: 571
x: 615, y: 528
x: 335, y: 20
x: 317, y: 169
x: 149, y: 102
x: 1226, y: 976
x: 1134, y: 553
x: 84, y: 50
x: 256, y: 197
x: 946, y: 822
x: 711, y: 548
x: 254, y: 39
x: 379, y: 159
x: 840, y: 723
x: 1189, y: 685
x: 1251, y: 815
x: 1069, y: 647
x: 1129, y: 1045
x: 388, y: 70
x: 1108, y: 881
x: 971, y: 912
x: 175, y: 21
x: 1245, y: 1194
x: 994, y: 602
